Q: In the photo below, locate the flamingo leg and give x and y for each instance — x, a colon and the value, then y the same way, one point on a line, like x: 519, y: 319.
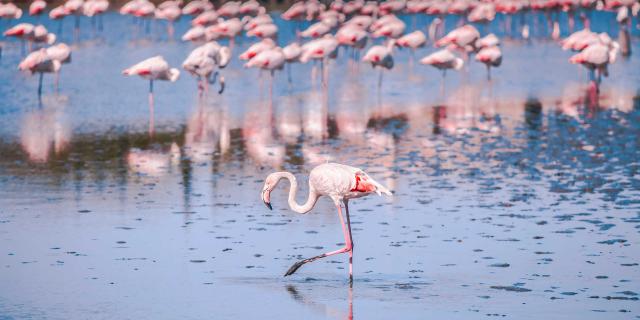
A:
x: 221, y: 85
x: 346, y: 206
x: 151, y: 110
x: 57, y: 82
x: 347, y: 248
x: 271, y: 86
x: 40, y: 86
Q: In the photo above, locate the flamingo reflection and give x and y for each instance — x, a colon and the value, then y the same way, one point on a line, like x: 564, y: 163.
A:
x: 45, y: 131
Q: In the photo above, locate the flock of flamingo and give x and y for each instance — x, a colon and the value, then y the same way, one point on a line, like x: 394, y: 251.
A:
x: 340, y: 24
x: 350, y: 25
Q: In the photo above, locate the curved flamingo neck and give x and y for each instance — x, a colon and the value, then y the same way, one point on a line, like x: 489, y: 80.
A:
x: 293, y: 190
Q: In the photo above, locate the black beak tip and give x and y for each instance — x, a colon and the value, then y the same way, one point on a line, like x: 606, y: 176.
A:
x: 268, y: 204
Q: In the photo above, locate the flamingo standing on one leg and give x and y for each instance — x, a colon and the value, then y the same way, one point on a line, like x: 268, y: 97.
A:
x: 337, y: 181
x: 39, y: 61
x: 60, y: 52
x: 413, y: 41
x: 271, y: 59
x: 292, y: 54
x: 155, y: 68
x: 380, y: 56
x: 443, y: 60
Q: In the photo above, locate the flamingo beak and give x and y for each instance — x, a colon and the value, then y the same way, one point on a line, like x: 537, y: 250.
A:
x: 266, y: 200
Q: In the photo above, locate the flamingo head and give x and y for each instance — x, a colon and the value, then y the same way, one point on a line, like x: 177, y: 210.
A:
x: 269, y: 184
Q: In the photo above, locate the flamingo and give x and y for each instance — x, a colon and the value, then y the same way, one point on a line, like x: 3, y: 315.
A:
x: 39, y: 61
x: 170, y: 11
x: 391, y: 29
x: 266, y: 30
x: 62, y: 53
x: 462, y: 38
x: 413, y: 40
x: 198, y: 34
x: 271, y: 59
x: 371, y: 8
x: 95, y: 8
x: 596, y: 58
x: 361, y: 21
x: 155, y: 68
x: 352, y: 35
x: 351, y: 7
x: 320, y: 49
x: 229, y: 9
x: 206, y: 18
x: 339, y: 182
x: 292, y: 54
x: 489, y: 40
x: 315, y: 30
x: 229, y: 29
x: 203, y: 60
x: 382, y: 57
x: 37, y: 7
x: 74, y: 7
x: 197, y: 7
x: 331, y: 18
x: 491, y: 57
x: 253, y: 22
x: 10, y: 11
x: 251, y: 7
x: 254, y: 49
x: 443, y: 60
x: 296, y: 11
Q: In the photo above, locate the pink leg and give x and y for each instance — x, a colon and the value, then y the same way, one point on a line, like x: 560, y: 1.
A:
x: 346, y: 206
x: 346, y: 229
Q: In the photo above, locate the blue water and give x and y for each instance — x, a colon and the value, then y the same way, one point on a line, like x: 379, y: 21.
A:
x: 515, y: 198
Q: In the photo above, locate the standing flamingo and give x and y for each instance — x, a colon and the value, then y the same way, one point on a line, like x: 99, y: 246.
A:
x: 202, y: 62
x: 60, y: 52
x: 380, y: 56
x: 37, y: 7
x: 292, y: 54
x: 271, y: 59
x: 413, y: 41
x: 491, y: 57
x: 462, y: 38
x: 155, y: 68
x: 337, y: 181
x: 320, y: 49
x: 443, y: 60
x: 39, y: 61
x: 10, y: 11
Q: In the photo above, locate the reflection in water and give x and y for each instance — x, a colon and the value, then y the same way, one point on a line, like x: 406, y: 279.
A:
x: 323, y: 309
x: 207, y: 132
x: 153, y: 162
x: 46, y: 129
x: 471, y: 128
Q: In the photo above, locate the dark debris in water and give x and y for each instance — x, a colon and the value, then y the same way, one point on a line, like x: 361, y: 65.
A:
x: 511, y: 288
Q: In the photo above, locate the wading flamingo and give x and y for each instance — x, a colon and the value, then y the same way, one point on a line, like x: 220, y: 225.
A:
x: 155, y: 68
x: 60, y: 52
x: 382, y: 57
x: 203, y: 61
x: 337, y: 181
x: 40, y: 62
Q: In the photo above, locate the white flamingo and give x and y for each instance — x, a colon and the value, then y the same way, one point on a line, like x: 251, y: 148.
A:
x: 203, y: 61
x: 337, y: 181
x: 40, y: 62
x: 155, y: 68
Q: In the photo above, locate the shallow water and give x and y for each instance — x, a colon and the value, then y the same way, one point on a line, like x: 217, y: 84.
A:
x: 513, y: 198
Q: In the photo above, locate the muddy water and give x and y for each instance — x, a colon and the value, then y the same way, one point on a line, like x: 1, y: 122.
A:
x: 513, y: 198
